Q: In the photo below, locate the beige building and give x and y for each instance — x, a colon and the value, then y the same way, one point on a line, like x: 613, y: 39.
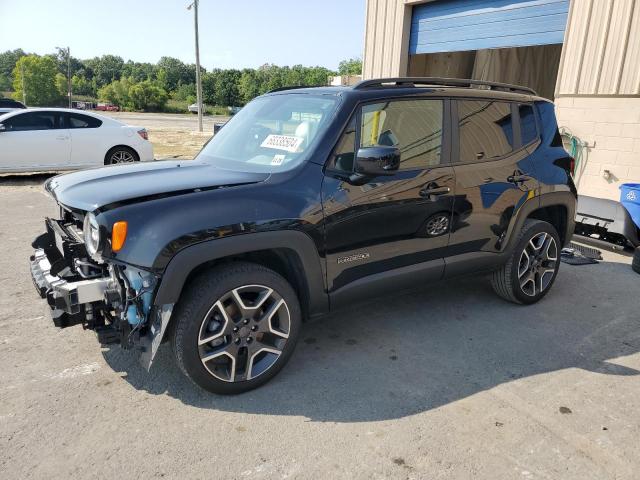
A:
x: 583, y: 54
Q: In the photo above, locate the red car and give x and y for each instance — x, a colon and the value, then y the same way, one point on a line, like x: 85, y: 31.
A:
x: 107, y: 107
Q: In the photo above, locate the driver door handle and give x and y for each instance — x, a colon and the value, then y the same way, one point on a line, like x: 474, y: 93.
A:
x: 435, y: 191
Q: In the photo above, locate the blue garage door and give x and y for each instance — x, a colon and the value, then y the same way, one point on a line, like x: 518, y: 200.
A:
x: 456, y: 25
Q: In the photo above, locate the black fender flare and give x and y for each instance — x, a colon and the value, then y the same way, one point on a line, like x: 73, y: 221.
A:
x: 300, y: 244
x: 565, y: 199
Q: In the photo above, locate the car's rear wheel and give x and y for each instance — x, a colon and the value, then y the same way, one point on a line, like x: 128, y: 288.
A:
x: 533, y: 266
x: 235, y: 327
x: 121, y: 154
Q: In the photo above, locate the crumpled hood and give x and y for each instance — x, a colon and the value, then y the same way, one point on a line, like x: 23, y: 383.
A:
x: 100, y: 187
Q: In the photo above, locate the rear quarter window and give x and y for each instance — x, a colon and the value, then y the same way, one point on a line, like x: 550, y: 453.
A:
x: 77, y: 120
x: 528, y: 129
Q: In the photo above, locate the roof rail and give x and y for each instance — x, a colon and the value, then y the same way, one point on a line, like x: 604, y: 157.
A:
x: 445, y: 82
x: 291, y: 87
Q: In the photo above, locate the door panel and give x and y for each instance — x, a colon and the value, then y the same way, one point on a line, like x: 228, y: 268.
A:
x: 385, y: 224
x: 392, y: 226
x: 87, y: 139
x: 494, y: 176
x: 33, y: 141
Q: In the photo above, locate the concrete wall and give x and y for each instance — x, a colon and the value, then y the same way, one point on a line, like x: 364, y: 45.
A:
x: 614, y: 125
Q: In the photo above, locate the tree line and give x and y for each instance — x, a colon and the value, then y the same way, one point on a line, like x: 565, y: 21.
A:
x: 42, y: 80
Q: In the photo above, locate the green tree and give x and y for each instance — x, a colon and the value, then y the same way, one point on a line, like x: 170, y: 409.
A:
x: 38, y: 75
x: 351, y: 66
x: 185, y: 93
x: 117, y: 92
x: 139, y: 71
x: 175, y: 73
x: 61, y: 84
x: 82, y: 86
x: 5, y: 83
x: 147, y: 96
x: 226, y: 88
x: 8, y: 62
x: 209, y: 86
x: 106, y: 69
x: 249, y: 85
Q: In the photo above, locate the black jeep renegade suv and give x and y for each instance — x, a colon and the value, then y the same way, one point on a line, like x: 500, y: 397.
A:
x: 307, y: 200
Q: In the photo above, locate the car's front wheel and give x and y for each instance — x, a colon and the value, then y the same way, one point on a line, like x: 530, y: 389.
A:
x: 235, y: 327
x: 533, y: 265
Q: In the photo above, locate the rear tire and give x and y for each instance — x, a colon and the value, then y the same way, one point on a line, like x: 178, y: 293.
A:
x: 121, y: 154
x: 532, y: 268
x: 635, y: 264
x: 235, y: 327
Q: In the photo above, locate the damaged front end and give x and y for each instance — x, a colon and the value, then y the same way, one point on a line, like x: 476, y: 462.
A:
x: 113, y: 299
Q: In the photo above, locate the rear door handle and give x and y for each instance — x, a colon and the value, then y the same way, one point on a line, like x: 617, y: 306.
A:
x: 62, y: 137
x: 434, y: 191
x: 518, y: 178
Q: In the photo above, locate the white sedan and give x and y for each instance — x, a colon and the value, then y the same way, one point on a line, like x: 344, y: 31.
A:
x: 40, y: 139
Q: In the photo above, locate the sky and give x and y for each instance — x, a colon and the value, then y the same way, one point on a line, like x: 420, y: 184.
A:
x: 233, y: 33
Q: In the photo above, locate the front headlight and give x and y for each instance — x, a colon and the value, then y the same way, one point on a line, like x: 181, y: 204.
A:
x: 91, y: 233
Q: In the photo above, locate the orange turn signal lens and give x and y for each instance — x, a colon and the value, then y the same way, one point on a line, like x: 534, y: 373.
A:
x: 118, y: 235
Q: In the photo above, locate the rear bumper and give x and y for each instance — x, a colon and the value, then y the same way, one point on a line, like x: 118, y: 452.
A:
x: 145, y: 149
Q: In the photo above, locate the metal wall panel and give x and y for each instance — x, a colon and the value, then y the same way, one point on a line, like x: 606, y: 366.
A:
x: 601, y: 54
x: 386, y: 43
x: 458, y: 25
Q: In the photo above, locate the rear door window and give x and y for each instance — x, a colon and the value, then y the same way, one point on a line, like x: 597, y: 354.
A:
x: 485, y: 130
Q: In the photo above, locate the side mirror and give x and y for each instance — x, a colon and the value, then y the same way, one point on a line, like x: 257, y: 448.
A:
x: 2, y: 127
x: 378, y: 160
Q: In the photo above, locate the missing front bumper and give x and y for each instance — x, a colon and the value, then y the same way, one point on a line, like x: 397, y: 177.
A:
x: 66, y: 299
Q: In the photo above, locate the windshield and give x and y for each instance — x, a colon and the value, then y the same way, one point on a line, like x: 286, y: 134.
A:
x: 271, y: 134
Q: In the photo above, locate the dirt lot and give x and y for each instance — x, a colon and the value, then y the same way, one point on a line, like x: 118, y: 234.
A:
x: 172, y: 135
x: 450, y: 382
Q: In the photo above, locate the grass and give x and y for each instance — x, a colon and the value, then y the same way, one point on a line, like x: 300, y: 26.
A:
x: 170, y: 143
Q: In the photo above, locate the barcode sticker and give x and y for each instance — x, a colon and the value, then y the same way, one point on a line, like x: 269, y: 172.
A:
x: 288, y: 143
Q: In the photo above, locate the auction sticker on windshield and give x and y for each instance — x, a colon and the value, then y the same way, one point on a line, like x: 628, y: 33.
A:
x: 277, y: 159
x: 288, y: 143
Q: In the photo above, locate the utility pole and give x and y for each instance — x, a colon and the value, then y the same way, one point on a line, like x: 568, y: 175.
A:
x: 69, y: 74
x: 198, y: 80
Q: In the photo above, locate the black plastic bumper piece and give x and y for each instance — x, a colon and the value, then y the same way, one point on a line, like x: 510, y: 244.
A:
x: 108, y: 335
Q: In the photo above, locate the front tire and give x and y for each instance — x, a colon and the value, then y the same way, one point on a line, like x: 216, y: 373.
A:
x: 532, y: 268
x: 235, y: 327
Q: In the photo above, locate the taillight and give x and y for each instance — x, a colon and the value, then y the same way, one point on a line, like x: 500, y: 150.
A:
x: 143, y: 133
x: 572, y: 166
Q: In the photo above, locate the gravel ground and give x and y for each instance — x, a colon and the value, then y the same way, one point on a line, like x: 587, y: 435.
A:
x: 449, y: 382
